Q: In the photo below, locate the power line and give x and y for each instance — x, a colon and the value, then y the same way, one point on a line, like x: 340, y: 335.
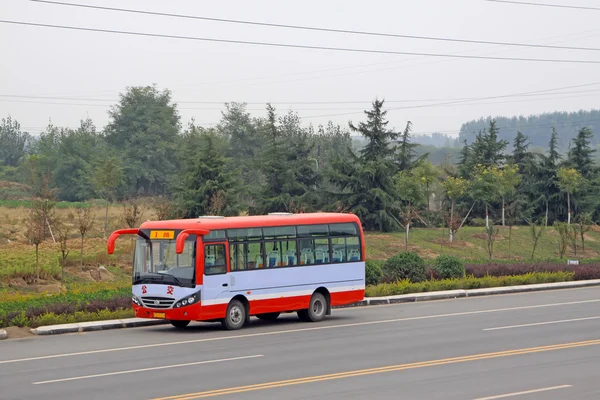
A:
x: 287, y: 45
x: 542, y: 4
x: 311, y: 28
x: 358, y: 110
x: 17, y: 96
x: 474, y: 99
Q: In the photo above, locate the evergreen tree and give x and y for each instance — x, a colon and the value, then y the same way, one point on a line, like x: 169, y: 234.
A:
x: 520, y: 155
x: 407, y: 157
x: 366, y: 181
x: 379, y: 138
x: 545, y: 194
x: 207, y: 187
x: 580, y: 155
x: 580, y: 158
x: 287, y: 166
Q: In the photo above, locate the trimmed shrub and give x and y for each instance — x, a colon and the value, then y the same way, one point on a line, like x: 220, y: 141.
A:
x: 449, y: 267
x: 405, y: 286
x: 373, y: 272
x: 581, y: 272
x: 405, y: 265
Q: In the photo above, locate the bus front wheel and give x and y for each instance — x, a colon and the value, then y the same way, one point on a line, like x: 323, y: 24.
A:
x: 317, y: 309
x: 235, y: 318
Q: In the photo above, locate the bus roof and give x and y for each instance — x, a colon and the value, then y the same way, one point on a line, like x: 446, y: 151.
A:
x: 274, y: 219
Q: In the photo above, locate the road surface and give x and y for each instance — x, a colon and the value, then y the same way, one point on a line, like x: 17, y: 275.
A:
x: 543, y: 345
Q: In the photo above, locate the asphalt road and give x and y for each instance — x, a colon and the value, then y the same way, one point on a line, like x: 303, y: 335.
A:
x: 530, y: 346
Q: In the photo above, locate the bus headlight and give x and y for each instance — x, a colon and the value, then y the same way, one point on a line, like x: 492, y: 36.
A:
x: 189, y: 300
x: 136, y: 300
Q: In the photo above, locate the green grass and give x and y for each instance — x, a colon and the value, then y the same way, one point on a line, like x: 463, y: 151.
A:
x: 470, y: 245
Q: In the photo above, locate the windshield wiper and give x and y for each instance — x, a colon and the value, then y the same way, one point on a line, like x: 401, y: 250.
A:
x: 177, y: 281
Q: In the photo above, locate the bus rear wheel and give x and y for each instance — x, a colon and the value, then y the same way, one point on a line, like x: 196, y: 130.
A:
x: 268, y: 316
x: 317, y: 308
x: 179, y: 324
x: 235, y: 318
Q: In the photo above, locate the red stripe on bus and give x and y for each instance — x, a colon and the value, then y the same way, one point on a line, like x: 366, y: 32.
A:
x: 217, y: 311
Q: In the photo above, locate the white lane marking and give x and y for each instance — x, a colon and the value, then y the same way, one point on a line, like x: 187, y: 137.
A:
x: 525, y: 392
x: 316, y: 328
x: 148, y: 369
x: 541, y: 323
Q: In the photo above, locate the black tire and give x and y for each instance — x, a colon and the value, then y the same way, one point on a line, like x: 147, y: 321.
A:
x: 317, y: 309
x: 180, y: 324
x: 236, y: 316
x: 268, y: 316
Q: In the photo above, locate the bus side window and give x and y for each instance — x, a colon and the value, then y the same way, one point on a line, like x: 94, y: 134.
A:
x: 237, y: 256
x: 214, y: 259
x: 254, y: 258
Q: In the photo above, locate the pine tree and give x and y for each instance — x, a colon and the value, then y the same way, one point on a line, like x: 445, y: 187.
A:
x: 520, y: 155
x: 207, y: 187
x: 580, y: 155
x: 287, y: 165
x: 366, y: 181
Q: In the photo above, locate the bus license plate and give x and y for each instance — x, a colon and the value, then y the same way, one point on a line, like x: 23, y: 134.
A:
x: 159, y: 315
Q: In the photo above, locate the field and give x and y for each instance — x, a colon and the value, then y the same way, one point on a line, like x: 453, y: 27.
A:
x: 97, y: 286
x: 470, y: 244
x: 17, y: 257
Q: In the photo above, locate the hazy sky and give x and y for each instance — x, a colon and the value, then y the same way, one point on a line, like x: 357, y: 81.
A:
x: 93, y: 66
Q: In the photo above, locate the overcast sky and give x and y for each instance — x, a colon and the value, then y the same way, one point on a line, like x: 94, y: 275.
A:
x: 37, y: 61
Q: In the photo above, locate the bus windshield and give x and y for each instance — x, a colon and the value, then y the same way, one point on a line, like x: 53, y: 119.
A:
x: 155, y: 261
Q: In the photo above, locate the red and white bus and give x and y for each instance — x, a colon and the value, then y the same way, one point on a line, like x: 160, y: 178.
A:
x: 230, y: 268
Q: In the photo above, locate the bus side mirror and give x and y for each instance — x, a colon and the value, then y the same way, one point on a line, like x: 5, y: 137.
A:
x: 113, y: 237
x: 180, y: 242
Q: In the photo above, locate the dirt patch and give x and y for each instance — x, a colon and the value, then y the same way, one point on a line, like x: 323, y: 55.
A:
x: 49, y: 287
x: 427, y: 253
x: 588, y: 238
x: 92, y: 274
x: 455, y: 243
x: 484, y: 236
x: 15, y: 332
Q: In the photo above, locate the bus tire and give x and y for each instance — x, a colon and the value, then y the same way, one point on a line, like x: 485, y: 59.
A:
x: 179, y: 323
x: 317, y: 308
x: 268, y: 316
x: 235, y: 318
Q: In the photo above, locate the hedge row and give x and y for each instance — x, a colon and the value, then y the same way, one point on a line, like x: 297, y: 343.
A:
x: 406, y: 286
x: 24, y: 312
x: 409, y: 266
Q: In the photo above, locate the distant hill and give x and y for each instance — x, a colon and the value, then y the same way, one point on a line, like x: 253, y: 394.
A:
x: 538, y: 127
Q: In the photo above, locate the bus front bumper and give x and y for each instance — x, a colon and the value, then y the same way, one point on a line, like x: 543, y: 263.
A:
x: 185, y: 313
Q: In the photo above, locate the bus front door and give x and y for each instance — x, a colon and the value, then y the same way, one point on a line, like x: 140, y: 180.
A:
x: 216, y: 278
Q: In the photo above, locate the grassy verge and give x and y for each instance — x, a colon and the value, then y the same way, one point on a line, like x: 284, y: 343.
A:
x: 81, y: 303
x: 406, y: 287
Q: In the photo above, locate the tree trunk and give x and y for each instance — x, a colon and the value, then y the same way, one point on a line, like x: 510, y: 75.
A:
x: 106, y: 219
x: 503, y: 220
x: 451, y: 225
x: 509, y: 238
x: 82, y: 252
x: 487, y: 217
x: 569, y: 210
x: 547, y: 213
x: 406, y: 237
x: 37, y: 262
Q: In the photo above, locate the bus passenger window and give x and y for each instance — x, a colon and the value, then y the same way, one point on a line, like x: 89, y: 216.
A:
x: 214, y: 259
x: 255, y: 256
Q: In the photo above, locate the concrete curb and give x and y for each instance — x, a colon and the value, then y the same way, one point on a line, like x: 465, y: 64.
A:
x: 369, y: 301
x: 3, y: 334
x: 453, y: 294
x: 96, y: 326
